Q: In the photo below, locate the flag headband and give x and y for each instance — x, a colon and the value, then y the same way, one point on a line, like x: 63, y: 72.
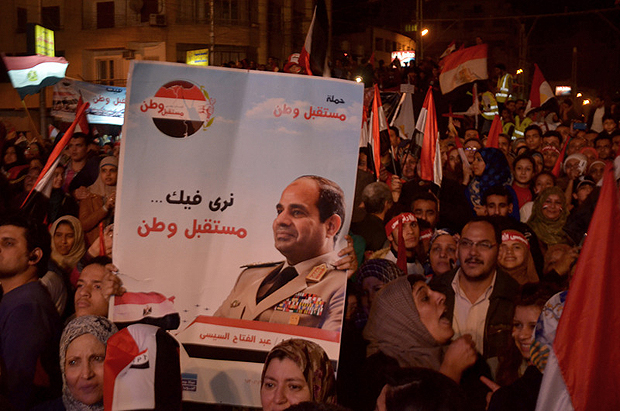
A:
x: 401, y: 218
x: 513, y: 235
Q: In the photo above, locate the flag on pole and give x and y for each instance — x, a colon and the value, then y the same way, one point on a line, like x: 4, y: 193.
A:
x: 44, y: 181
x: 451, y: 48
x: 379, y: 123
x: 474, y: 109
x: 586, y: 343
x: 364, y: 135
x: 464, y: 66
x: 430, y: 157
x: 29, y: 74
x: 494, y: 132
x: 540, y: 92
x: 82, y: 125
x: 404, y: 118
x: 558, y: 163
x: 313, y: 56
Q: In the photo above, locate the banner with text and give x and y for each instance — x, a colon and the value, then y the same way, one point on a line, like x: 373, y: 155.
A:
x: 205, y: 158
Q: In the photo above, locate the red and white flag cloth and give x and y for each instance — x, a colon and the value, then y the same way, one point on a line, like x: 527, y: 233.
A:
x: 29, y: 74
x: 378, y: 124
x: 494, y: 132
x: 430, y: 157
x: 44, y: 181
x: 449, y: 50
x: 557, y: 168
x: 82, y: 125
x: 364, y: 133
x: 540, y: 92
x: 464, y: 66
x: 586, y: 342
x: 313, y: 56
x: 404, y: 118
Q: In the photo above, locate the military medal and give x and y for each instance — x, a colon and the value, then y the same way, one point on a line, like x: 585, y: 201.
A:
x: 317, y: 273
x: 235, y: 304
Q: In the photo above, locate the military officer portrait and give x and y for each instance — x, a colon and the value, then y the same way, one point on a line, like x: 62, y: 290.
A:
x: 307, y: 288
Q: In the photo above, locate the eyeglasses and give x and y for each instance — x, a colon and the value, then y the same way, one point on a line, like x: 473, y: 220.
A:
x: 471, y: 149
x: 481, y: 245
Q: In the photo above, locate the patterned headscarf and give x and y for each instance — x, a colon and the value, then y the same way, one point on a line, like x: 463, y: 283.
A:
x: 102, y: 329
x: 548, y: 231
x: 313, y: 363
x: 380, y: 268
x: 69, y: 261
x: 526, y: 272
x: 395, y: 328
x: 496, y: 172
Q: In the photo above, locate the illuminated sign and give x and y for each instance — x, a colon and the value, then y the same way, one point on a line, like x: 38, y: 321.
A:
x: 563, y: 90
x: 198, y: 57
x: 44, y: 41
x: 403, y: 56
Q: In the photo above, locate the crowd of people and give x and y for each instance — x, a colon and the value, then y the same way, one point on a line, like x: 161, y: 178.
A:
x: 441, y: 312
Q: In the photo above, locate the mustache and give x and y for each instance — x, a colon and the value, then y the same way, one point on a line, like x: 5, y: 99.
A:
x: 474, y: 260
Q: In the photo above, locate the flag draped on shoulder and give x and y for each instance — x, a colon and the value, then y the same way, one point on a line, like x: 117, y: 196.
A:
x: 29, y: 74
x: 463, y: 66
x: 313, y: 56
x: 586, y: 343
x: 43, y: 184
x: 541, y: 91
x: 430, y: 157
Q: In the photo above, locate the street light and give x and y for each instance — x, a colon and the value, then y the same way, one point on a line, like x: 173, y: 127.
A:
x: 579, y: 95
x: 519, y: 71
x: 424, y: 32
x: 586, y: 101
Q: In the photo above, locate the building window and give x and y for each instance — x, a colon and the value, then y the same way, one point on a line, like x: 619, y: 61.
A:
x: 378, y: 44
x: 22, y: 19
x: 50, y: 17
x: 148, y: 7
x: 231, y: 11
x: 105, y: 15
x: 105, y: 71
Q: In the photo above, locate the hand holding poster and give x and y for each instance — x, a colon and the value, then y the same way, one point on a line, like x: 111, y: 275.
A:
x: 230, y: 211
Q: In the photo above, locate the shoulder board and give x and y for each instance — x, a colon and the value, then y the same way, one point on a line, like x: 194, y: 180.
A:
x: 260, y: 265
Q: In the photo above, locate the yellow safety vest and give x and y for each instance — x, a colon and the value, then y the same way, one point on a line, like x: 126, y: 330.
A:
x: 489, y: 106
x: 504, y: 88
x: 520, y: 126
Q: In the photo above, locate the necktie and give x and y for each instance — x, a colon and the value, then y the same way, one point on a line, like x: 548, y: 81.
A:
x: 278, y: 282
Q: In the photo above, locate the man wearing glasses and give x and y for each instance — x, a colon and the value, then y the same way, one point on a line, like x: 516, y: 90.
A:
x: 479, y: 297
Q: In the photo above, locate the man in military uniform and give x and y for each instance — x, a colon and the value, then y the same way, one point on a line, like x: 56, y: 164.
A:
x: 306, y: 289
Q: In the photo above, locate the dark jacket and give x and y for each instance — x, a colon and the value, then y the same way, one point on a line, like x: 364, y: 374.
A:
x: 498, y: 324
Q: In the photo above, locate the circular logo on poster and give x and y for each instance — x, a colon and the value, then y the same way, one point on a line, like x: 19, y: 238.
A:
x: 180, y: 108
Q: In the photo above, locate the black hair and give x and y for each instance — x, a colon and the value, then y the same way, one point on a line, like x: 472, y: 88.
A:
x: 533, y: 127
x: 331, y: 199
x: 37, y: 236
x: 493, y: 221
x: 86, y: 137
x: 496, y: 190
x: 425, y: 195
x: 101, y: 260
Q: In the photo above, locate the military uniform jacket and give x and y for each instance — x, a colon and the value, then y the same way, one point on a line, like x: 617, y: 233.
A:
x: 302, y: 301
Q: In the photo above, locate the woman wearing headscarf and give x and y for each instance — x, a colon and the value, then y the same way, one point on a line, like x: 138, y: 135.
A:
x: 408, y: 327
x: 549, y: 214
x: 295, y: 371
x: 82, y: 352
x: 515, y: 258
x: 441, y: 254
x: 98, y: 207
x: 68, y: 246
x: 490, y: 168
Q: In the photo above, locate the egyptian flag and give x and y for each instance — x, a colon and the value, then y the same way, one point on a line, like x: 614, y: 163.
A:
x: 586, y: 342
x: 364, y: 134
x: 43, y: 185
x: 313, y: 56
x: 29, y: 74
x: 540, y: 93
x: 464, y: 66
x: 494, y: 132
x: 404, y: 118
x: 142, y: 370
x: 378, y: 124
x: 82, y: 125
x: 557, y: 168
x: 451, y: 48
x: 147, y: 308
x: 430, y: 157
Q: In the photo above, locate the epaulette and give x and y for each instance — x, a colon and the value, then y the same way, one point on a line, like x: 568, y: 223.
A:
x: 260, y: 265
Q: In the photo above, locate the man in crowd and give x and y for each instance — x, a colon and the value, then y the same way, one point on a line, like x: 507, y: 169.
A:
x: 377, y: 199
x: 479, y: 297
x: 30, y: 326
x: 306, y: 289
x: 533, y: 137
x: 403, y: 233
x: 425, y: 206
x: 81, y: 171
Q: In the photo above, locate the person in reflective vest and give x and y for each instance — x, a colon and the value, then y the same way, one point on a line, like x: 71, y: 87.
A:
x: 504, y: 84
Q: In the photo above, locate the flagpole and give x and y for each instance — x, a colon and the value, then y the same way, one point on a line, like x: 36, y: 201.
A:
x: 34, y: 127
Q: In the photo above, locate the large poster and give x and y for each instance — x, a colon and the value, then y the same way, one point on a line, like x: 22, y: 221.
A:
x: 107, y: 103
x: 209, y: 204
